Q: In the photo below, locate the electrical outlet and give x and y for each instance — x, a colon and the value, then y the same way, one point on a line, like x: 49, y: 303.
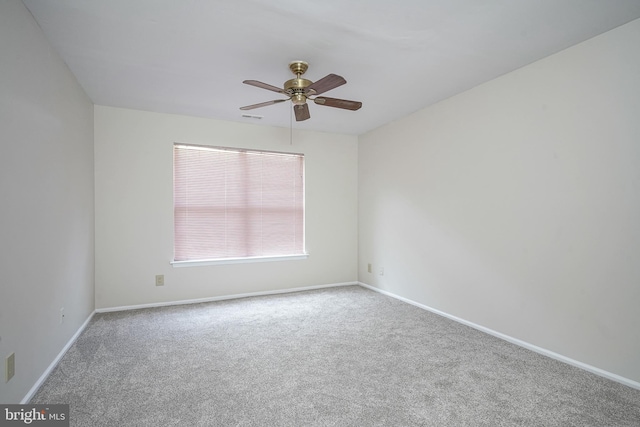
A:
x: 61, y: 315
x: 10, y: 367
x: 381, y: 271
x: 160, y: 280
x: 368, y: 268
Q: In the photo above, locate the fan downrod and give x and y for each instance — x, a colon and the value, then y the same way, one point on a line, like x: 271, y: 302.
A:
x: 297, y: 86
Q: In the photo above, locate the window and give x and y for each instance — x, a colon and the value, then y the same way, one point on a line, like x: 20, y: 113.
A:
x: 232, y: 204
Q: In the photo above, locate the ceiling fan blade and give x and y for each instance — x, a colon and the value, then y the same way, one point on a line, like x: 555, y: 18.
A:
x: 338, y: 103
x: 263, y: 85
x: 263, y: 104
x: 302, y: 112
x: 326, y: 83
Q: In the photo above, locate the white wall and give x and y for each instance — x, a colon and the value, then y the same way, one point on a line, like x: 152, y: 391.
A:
x: 46, y: 194
x: 134, y: 209
x: 516, y: 205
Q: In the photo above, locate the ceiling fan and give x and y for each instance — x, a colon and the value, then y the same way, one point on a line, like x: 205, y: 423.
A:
x: 300, y: 90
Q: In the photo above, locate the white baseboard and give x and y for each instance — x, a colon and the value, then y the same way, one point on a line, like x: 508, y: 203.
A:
x: 221, y: 298
x: 55, y: 362
x: 524, y: 344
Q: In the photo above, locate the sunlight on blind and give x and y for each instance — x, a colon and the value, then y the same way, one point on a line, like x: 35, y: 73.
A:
x: 232, y: 203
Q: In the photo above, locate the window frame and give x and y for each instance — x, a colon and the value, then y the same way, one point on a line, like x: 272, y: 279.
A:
x: 246, y: 259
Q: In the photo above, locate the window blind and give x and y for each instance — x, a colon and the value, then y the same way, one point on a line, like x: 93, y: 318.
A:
x: 232, y: 203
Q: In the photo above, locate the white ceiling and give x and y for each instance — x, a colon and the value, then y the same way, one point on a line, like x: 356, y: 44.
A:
x: 398, y: 56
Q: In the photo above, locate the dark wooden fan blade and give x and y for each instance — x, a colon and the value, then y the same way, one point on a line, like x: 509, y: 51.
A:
x: 302, y: 112
x: 263, y: 85
x: 263, y: 104
x: 326, y: 83
x: 338, y: 103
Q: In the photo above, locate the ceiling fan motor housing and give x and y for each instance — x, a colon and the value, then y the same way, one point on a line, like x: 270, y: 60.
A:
x: 296, y: 88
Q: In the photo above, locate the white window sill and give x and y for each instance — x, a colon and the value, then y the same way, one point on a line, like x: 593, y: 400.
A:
x: 221, y: 261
